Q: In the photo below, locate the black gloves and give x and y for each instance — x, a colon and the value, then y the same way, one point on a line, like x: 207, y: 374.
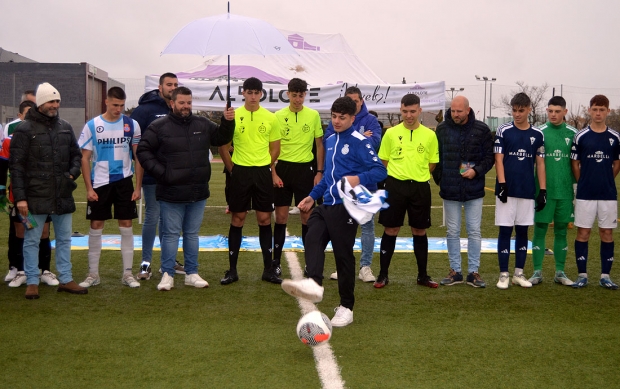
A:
x: 541, y: 200
x: 502, y: 193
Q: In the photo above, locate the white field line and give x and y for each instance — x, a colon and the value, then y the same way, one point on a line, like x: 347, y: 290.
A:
x: 326, y: 365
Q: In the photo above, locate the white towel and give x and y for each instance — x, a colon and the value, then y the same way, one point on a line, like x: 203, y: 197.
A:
x: 360, y: 202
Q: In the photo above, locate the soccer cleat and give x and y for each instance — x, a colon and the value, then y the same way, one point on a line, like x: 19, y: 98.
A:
x: 11, y: 274
x: 307, y: 289
x: 72, y: 287
x: 19, y: 279
x: 49, y: 278
x: 269, y: 275
x: 561, y: 278
x: 536, y: 278
x: 196, y: 281
x: 521, y: 281
x: 580, y: 282
x: 91, y: 280
x: 166, y: 282
x: 130, y: 281
x: 145, y: 272
x: 366, y: 275
x: 454, y: 277
x: 475, y: 280
x: 608, y: 284
x: 333, y: 276
x: 426, y: 281
x: 32, y: 291
x: 503, y: 282
x: 229, y: 277
x: 381, y: 282
x: 343, y: 317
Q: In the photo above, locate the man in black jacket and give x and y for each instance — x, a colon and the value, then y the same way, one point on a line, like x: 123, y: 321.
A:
x: 44, y: 163
x: 175, y: 150
x: 465, y: 156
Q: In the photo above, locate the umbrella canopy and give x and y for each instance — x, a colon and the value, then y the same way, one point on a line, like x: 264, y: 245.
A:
x: 229, y: 34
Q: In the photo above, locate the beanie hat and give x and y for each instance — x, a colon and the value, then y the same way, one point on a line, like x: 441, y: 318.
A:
x: 45, y: 93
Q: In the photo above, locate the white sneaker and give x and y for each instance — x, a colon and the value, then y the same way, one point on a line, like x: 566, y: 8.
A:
x: 19, y: 279
x: 343, y: 317
x: 196, y: 281
x: 521, y: 281
x: 11, y: 274
x: 504, y: 280
x: 129, y: 280
x: 49, y: 278
x: 91, y: 280
x: 333, y: 276
x: 306, y: 288
x: 166, y: 282
x: 366, y: 274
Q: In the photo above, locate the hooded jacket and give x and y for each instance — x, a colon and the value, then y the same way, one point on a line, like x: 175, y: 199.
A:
x: 151, y: 106
x: 44, y: 154
x: 471, y: 142
x: 175, y: 151
x: 347, y: 153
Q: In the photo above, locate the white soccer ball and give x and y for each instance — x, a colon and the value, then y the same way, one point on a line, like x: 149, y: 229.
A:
x: 314, y: 328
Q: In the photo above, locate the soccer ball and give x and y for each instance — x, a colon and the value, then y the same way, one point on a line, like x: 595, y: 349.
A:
x: 314, y: 328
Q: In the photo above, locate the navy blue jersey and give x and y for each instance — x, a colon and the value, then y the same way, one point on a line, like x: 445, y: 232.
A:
x: 520, y: 148
x: 596, y: 153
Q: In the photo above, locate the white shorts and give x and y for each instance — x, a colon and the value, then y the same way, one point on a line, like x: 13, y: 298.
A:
x: 605, y: 211
x: 515, y: 212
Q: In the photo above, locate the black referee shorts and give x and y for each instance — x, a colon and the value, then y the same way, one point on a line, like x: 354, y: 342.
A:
x: 251, y: 187
x: 411, y: 197
x: 298, y: 180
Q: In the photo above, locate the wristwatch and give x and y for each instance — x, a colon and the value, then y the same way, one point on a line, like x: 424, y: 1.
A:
x: 320, y: 171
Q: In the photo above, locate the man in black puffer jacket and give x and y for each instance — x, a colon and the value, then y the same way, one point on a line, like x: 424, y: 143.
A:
x: 44, y: 163
x: 465, y: 156
x: 175, y: 150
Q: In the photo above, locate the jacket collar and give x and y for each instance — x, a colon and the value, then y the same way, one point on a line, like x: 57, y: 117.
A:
x: 36, y: 116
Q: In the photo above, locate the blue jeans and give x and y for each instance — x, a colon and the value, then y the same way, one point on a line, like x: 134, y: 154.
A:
x: 368, y: 242
x: 151, y: 220
x: 177, y: 218
x: 473, y: 219
x: 62, y: 231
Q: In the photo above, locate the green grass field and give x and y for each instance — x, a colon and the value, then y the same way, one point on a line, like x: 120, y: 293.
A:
x: 243, y: 335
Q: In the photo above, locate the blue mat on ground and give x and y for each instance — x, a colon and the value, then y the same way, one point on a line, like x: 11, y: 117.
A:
x: 292, y: 243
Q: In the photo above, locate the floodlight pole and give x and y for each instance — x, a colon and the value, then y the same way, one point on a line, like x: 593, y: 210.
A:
x: 485, y: 79
x: 454, y: 90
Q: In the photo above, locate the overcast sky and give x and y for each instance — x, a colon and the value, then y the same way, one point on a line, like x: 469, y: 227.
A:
x: 571, y: 42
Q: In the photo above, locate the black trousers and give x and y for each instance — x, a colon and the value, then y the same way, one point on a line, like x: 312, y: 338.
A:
x: 332, y: 223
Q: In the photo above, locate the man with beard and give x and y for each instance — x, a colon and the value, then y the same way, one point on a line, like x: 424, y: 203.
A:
x: 175, y: 150
x: 44, y: 163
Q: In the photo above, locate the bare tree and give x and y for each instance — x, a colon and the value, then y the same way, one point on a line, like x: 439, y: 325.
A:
x: 613, y: 120
x: 538, y: 96
x: 393, y: 118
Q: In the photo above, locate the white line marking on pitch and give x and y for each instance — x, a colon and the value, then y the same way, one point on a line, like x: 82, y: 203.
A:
x: 326, y: 365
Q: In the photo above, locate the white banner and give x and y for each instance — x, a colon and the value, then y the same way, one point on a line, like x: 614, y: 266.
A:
x: 211, y: 95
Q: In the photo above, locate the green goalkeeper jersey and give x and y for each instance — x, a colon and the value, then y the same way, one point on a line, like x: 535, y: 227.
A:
x: 558, y: 143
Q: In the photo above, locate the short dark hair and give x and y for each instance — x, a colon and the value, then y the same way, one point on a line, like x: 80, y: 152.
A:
x: 166, y: 75
x: 353, y: 90
x: 25, y: 104
x: 600, y: 100
x: 557, y: 100
x: 344, y: 105
x: 297, y: 85
x: 116, y: 93
x: 520, y: 100
x: 181, y: 91
x: 410, y: 99
x: 253, y: 83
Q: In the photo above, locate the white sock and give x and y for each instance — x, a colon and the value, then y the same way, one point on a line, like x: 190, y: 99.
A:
x: 584, y: 275
x: 94, y: 250
x: 127, y: 248
x: 518, y: 271
x: 604, y: 276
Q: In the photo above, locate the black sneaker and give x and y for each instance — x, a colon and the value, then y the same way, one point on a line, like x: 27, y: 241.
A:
x: 229, y: 277
x: 381, y: 281
x: 475, y: 280
x: 454, y: 277
x: 269, y: 275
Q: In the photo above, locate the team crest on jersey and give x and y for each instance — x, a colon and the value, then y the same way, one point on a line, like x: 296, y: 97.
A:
x: 99, y: 129
x: 262, y: 128
x: 345, y: 149
x: 611, y: 142
x: 532, y: 139
x: 567, y: 141
x: 126, y: 127
x: 305, y: 128
x: 421, y: 148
